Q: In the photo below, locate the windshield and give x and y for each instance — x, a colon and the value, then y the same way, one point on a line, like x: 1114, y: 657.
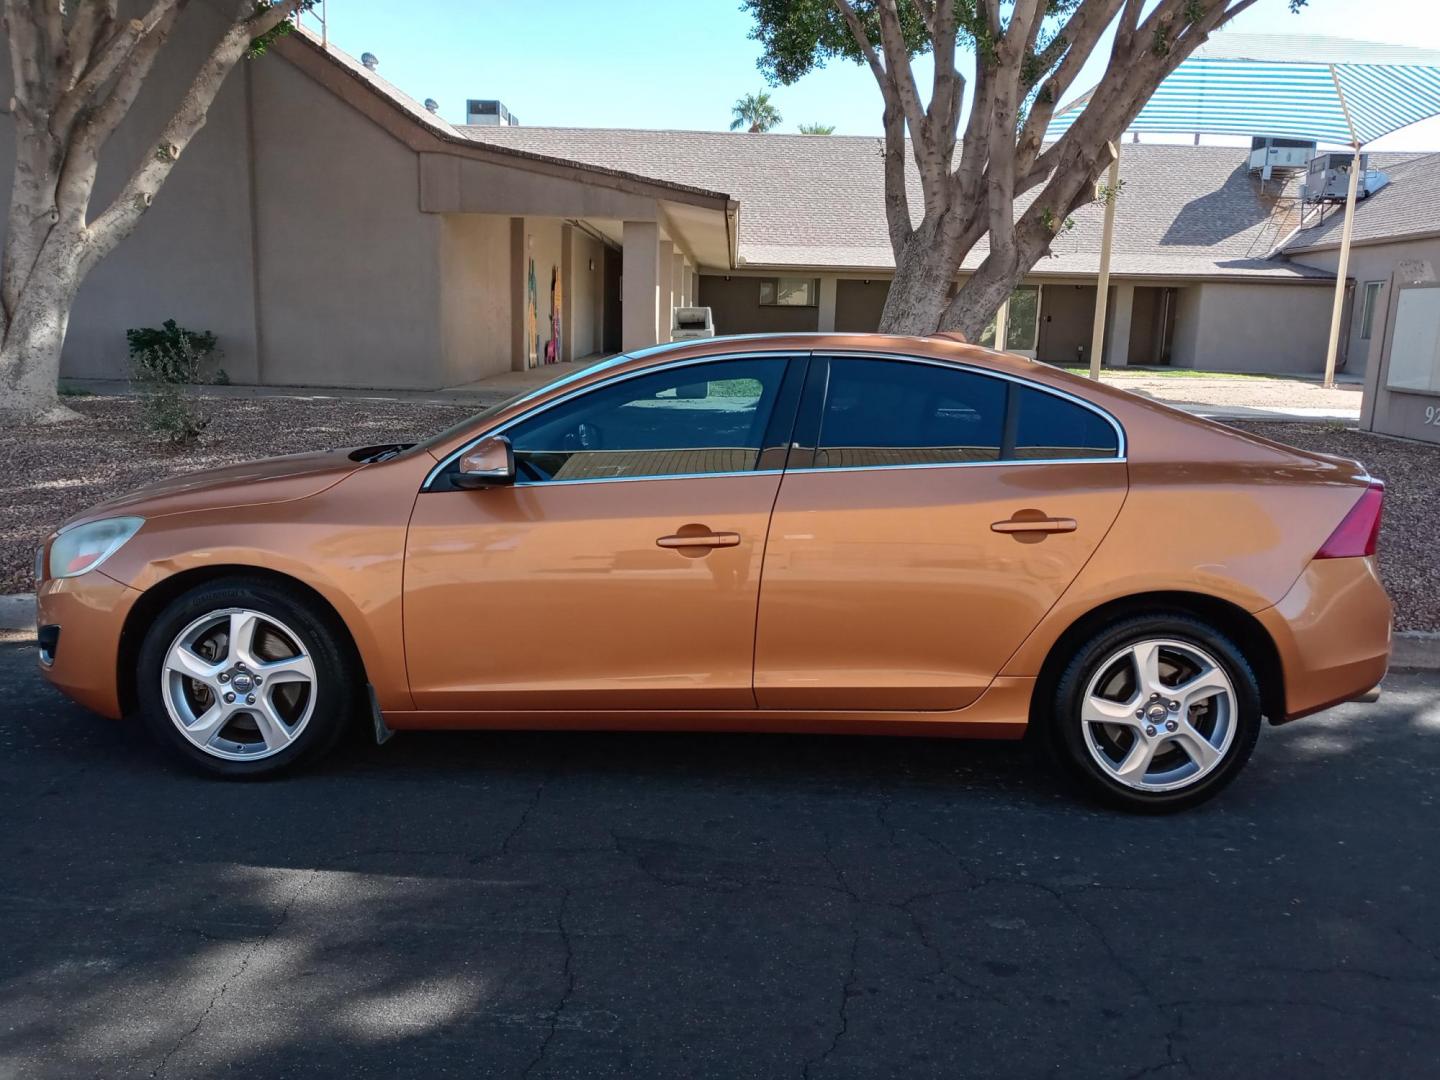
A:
x: 469, y: 422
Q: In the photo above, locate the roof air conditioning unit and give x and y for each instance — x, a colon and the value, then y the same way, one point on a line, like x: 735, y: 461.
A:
x: 488, y: 113
x: 1328, y: 178
x: 1270, y: 153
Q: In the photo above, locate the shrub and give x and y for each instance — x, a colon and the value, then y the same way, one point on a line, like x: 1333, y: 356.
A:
x: 165, y: 363
x: 170, y: 413
x: 172, y: 354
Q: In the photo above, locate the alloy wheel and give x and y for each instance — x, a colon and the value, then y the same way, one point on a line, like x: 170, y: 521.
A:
x: 1159, y: 715
x: 239, y: 684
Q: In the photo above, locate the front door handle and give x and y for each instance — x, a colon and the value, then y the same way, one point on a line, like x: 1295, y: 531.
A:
x: 699, y: 540
x: 1034, y: 525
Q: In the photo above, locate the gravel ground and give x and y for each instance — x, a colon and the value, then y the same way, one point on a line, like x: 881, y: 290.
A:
x: 51, y: 473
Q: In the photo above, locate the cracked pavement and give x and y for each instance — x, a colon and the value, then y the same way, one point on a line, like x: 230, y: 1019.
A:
x: 592, y: 905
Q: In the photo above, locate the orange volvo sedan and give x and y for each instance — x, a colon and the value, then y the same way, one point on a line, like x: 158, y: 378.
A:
x: 838, y: 533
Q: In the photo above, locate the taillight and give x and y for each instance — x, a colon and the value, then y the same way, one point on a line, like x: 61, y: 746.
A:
x: 1357, y: 535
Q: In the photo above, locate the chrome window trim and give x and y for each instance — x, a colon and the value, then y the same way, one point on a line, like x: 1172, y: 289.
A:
x: 660, y: 476
x: 1121, y: 453
x: 779, y: 354
x: 1121, y: 446
x: 1012, y: 463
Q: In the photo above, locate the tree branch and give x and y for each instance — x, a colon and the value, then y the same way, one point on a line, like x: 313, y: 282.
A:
x: 110, y: 60
x: 862, y: 39
x: 1079, y: 36
x: 122, y: 215
x: 897, y: 196
x: 92, y: 23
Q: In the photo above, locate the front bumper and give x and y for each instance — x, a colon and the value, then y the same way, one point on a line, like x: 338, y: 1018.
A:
x: 90, y: 611
x: 1332, y: 631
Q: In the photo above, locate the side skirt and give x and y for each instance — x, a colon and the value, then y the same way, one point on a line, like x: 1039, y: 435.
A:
x: 999, y: 713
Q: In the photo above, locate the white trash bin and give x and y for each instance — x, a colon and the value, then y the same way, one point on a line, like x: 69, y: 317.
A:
x: 689, y: 323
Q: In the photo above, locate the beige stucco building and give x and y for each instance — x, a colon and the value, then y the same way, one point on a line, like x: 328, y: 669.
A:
x: 1395, y: 267
x: 333, y: 232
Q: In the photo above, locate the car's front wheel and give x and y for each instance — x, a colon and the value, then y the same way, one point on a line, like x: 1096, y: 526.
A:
x: 242, y: 678
x: 1155, y: 713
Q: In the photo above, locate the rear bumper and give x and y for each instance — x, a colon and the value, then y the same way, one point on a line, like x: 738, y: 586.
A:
x: 1332, y: 631
x: 90, y: 611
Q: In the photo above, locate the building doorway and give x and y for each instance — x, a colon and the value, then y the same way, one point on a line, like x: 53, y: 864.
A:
x: 610, y: 302
x: 1152, y: 326
x: 1067, y: 320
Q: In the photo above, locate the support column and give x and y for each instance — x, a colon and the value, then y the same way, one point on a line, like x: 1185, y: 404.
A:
x: 1102, y: 287
x: 1342, y: 271
x: 640, y: 285
x: 1002, y: 325
x: 1117, y: 335
x: 517, y: 294
x: 677, y: 282
x: 665, y: 309
x: 826, y: 315
x: 567, y: 293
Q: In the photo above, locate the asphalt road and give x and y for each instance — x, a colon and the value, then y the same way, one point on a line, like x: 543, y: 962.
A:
x: 712, y: 906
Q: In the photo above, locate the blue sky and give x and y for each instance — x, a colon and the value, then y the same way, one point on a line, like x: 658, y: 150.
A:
x: 682, y: 63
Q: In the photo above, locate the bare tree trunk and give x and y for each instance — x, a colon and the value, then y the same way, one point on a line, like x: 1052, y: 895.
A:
x: 30, y: 355
x: 77, y: 70
x: 921, y: 287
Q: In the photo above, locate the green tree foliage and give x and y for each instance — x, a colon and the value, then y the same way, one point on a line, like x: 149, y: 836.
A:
x: 817, y: 129
x: 755, y: 113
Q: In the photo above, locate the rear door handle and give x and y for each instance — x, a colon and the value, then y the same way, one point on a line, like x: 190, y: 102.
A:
x: 1035, y: 525
x: 701, y: 540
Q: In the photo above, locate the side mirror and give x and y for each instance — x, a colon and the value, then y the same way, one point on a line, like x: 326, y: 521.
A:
x: 489, y: 463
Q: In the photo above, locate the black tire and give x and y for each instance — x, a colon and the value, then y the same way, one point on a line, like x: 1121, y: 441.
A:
x: 1064, y: 731
x: 336, y: 685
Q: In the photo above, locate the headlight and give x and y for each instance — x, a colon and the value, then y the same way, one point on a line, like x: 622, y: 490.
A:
x: 85, y: 547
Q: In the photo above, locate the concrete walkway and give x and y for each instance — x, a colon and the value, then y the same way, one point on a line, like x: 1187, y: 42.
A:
x: 1246, y: 397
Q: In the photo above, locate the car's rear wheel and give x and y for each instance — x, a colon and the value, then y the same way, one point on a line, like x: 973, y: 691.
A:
x: 242, y: 678
x: 1155, y: 713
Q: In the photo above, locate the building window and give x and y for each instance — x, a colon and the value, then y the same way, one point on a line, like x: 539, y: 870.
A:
x: 1367, y: 308
x: 1022, y: 328
x: 789, y: 292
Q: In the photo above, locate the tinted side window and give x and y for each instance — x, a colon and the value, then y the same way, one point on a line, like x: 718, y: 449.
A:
x: 889, y: 412
x: 700, y: 418
x: 1051, y: 427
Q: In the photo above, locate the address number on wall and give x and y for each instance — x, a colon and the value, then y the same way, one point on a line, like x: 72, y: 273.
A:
x: 1432, y: 415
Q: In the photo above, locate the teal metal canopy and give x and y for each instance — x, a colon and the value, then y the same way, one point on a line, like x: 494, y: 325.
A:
x: 1305, y: 87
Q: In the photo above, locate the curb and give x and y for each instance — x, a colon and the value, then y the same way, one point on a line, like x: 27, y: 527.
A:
x: 17, y: 612
x: 1412, y: 652
x: 1415, y: 651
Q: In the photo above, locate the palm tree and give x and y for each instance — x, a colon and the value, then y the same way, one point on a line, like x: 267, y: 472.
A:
x: 817, y: 129
x: 755, y: 113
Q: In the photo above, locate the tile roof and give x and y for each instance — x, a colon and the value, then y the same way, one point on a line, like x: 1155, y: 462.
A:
x: 1408, y: 205
x: 817, y: 200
